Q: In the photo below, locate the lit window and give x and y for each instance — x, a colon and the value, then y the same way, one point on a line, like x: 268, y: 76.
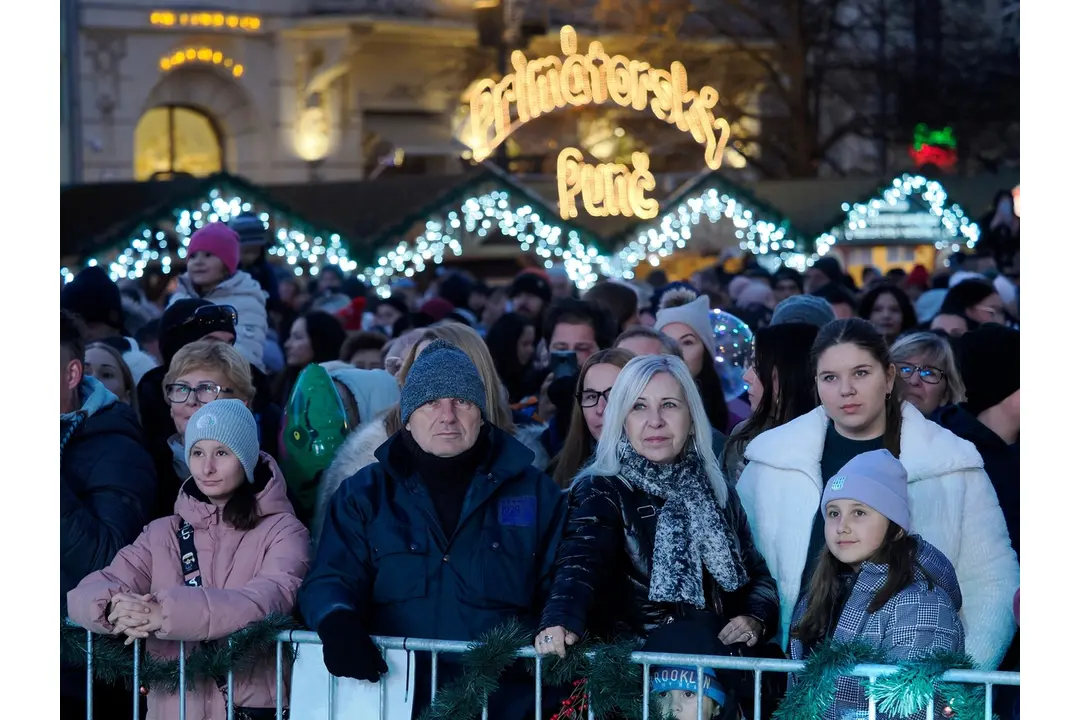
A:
x: 176, y: 140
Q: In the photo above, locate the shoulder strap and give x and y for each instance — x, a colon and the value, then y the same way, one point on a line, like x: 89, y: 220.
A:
x: 189, y: 557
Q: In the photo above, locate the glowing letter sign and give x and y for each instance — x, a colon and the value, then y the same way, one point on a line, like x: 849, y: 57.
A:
x: 538, y: 87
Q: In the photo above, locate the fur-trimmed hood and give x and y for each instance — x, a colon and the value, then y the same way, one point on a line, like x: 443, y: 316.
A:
x: 927, y: 450
x: 357, y: 452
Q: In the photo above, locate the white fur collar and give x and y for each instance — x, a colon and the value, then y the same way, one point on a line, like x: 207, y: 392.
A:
x: 927, y: 450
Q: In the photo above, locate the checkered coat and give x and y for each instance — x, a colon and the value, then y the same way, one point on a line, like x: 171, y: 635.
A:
x: 922, y: 618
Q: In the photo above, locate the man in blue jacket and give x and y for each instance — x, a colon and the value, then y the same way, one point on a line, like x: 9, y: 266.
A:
x: 449, y: 533
x: 107, y: 487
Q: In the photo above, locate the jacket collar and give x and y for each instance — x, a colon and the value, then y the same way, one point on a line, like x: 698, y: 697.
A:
x: 271, y: 496
x: 927, y: 450
x: 95, y: 397
x: 507, y: 459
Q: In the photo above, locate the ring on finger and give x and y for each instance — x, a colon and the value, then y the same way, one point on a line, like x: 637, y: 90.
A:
x: 548, y: 638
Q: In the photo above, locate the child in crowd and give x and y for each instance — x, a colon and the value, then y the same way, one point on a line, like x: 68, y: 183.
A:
x: 233, y: 553
x: 876, y: 582
x: 212, y: 273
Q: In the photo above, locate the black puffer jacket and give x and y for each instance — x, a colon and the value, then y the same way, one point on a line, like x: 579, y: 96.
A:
x: 605, y: 559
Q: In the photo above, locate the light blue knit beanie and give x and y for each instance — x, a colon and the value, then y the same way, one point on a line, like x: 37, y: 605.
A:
x: 230, y: 423
x: 441, y: 371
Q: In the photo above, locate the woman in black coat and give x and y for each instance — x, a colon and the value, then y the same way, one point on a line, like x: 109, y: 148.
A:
x: 655, y: 532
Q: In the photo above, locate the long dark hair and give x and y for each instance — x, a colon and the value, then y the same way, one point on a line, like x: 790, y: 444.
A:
x: 907, y: 310
x: 783, y: 350
x: 242, y: 509
x: 502, y: 340
x: 862, y: 334
x: 900, y: 552
x: 712, y: 393
x: 579, y: 443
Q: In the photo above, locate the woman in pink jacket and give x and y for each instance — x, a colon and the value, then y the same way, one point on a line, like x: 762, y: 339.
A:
x: 233, y: 553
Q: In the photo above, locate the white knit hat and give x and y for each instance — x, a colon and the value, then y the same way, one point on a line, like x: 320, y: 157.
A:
x: 696, y: 314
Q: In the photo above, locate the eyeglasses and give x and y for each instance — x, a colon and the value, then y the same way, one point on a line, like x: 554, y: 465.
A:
x: 929, y: 375
x: 212, y: 317
x: 589, y: 398
x: 207, y: 392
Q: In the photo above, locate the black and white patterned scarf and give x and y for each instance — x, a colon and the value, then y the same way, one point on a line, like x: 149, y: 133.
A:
x: 690, y: 529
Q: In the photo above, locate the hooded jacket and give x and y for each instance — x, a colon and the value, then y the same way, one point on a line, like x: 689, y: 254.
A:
x: 107, y: 489
x: 921, y: 619
x: 953, y: 506
x: 107, y: 483
x: 246, y: 295
x: 246, y: 575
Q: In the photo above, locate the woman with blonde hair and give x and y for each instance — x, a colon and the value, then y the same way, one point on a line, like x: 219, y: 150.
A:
x: 925, y: 361
x: 106, y: 364
x: 359, y: 448
x: 200, y: 373
x: 655, y: 531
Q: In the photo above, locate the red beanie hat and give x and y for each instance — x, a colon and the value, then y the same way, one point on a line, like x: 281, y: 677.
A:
x: 218, y: 240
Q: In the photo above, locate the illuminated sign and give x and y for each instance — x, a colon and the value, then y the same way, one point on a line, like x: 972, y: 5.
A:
x: 607, y: 189
x: 902, y: 221
x: 209, y: 20
x: 933, y: 147
x: 200, y: 55
x: 538, y: 87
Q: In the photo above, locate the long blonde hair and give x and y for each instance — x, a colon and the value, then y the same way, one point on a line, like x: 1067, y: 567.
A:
x: 469, y: 341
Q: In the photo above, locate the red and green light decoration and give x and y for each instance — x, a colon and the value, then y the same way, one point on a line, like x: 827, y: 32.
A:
x: 933, y: 147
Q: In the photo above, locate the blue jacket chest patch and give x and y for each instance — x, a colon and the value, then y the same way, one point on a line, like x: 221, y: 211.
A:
x: 518, y: 511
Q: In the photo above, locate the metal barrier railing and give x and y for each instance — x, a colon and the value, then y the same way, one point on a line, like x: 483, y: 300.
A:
x: 758, y: 666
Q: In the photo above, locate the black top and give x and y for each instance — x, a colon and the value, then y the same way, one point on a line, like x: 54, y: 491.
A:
x: 836, y: 453
x: 447, y: 479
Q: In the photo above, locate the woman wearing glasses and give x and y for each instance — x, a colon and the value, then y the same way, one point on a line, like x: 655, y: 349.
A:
x: 594, y: 385
x: 926, y: 363
x: 200, y: 373
x: 968, y: 305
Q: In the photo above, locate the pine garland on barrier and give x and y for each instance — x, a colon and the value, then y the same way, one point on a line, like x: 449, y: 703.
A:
x: 249, y: 647
x: 904, y: 693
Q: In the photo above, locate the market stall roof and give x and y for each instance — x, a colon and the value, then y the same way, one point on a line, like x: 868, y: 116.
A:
x: 815, y: 206
x: 97, y: 217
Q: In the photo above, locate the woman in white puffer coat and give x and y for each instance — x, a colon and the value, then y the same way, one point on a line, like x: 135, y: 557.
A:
x: 953, y: 504
x: 212, y: 261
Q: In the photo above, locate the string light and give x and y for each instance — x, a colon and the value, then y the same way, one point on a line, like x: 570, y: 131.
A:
x: 485, y: 215
x: 214, y: 20
x: 204, y: 55
x: 303, y: 251
x: 955, y: 225
x: 674, y: 229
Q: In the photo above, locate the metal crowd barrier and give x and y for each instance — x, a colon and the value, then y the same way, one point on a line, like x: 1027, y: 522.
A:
x: 758, y: 666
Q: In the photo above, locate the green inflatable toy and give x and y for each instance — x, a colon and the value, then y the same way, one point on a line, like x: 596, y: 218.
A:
x: 315, y: 427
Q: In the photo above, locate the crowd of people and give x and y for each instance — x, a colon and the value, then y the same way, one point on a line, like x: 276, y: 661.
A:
x: 444, y: 459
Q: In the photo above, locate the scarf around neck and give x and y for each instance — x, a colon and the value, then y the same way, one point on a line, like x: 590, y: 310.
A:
x: 691, y: 532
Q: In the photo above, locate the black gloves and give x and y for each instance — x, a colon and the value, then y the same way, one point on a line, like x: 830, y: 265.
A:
x: 348, y: 650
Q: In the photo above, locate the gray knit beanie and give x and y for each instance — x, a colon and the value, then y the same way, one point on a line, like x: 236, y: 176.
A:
x: 230, y: 423
x: 877, y: 480
x: 808, y: 309
x: 441, y: 371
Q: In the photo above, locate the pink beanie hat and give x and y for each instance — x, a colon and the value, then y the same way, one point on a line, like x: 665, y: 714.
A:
x: 218, y: 240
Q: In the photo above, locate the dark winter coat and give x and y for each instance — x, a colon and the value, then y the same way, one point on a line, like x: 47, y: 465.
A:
x: 383, y: 554
x: 159, y: 427
x: 107, y: 488
x: 605, y: 565
x: 1001, y: 461
x: 921, y: 619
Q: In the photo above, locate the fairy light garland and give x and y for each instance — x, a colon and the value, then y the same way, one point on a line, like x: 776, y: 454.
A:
x: 957, y: 227
x: 304, y: 252
x: 489, y: 214
x: 676, y: 227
